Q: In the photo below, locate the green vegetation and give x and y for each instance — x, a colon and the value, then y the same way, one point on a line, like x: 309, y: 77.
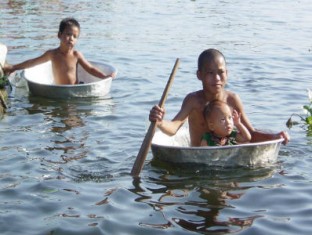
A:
x: 305, y: 120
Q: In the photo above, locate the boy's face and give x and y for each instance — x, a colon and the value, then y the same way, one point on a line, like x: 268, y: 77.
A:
x: 221, y: 121
x: 69, y: 36
x: 213, y: 75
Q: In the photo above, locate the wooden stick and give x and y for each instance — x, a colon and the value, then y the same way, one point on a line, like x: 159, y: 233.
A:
x: 139, y: 162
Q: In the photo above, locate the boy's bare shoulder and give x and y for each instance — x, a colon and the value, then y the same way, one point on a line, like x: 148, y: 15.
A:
x: 233, y: 99
x: 77, y: 54
x: 52, y: 51
x: 195, y: 96
x: 195, y: 99
x: 231, y: 95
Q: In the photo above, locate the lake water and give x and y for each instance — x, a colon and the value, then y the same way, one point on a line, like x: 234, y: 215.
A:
x: 65, y: 164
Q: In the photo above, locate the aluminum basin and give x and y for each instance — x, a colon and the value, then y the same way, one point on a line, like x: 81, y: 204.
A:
x: 40, y: 82
x: 176, y: 149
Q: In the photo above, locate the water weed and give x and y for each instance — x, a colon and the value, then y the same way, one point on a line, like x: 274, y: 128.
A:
x: 305, y: 120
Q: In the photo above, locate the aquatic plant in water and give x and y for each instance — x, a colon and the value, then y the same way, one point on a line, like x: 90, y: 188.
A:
x: 4, y: 81
x: 306, y: 119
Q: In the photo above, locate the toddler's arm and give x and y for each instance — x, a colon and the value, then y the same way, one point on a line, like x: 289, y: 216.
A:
x: 203, y: 143
x: 243, y: 134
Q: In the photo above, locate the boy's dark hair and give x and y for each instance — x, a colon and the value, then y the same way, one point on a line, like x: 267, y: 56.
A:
x: 68, y: 22
x: 208, y: 55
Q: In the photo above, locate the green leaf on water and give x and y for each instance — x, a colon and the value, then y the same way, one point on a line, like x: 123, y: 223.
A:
x: 308, y: 108
x: 309, y: 120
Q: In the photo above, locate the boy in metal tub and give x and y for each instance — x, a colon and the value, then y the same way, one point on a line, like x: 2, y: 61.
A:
x: 213, y: 74
x: 64, y: 58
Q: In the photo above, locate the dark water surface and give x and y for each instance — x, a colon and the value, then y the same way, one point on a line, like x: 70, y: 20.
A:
x: 65, y: 164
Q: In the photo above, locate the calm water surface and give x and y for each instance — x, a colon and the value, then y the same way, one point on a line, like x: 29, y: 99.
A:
x: 64, y: 164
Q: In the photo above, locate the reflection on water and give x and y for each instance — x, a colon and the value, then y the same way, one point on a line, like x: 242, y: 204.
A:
x: 67, y: 131
x: 71, y: 145
x: 199, y: 201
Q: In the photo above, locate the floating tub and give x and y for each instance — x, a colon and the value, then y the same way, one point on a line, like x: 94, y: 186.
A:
x: 176, y: 149
x: 40, y: 82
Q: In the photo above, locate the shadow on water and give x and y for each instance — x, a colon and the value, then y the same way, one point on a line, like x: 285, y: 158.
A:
x: 199, y: 199
x: 67, y: 125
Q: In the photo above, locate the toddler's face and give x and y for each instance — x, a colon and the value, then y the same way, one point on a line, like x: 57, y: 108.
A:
x: 221, y: 121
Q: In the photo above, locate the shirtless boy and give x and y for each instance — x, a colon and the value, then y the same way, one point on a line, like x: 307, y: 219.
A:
x: 212, y: 73
x: 64, y: 58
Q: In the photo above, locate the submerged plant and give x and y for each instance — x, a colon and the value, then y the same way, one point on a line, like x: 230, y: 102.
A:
x: 4, y: 81
x: 306, y: 119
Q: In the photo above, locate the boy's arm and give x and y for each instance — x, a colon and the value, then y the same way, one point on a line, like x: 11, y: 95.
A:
x: 28, y: 63
x: 257, y: 135
x: 90, y: 68
x: 166, y: 126
x: 170, y: 127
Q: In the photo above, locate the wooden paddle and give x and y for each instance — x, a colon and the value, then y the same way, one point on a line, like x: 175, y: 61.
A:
x: 139, y: 162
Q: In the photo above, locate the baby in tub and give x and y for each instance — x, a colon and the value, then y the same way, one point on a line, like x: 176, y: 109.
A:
x: 221, y: 119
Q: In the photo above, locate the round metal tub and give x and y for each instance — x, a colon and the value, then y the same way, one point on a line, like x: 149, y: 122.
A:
x: 176, y: 149
x: 40, y: 82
